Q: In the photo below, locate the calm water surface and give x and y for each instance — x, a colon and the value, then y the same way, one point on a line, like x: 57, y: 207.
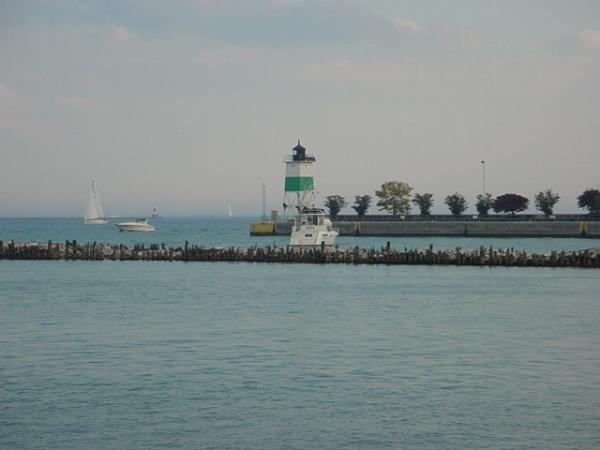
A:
x: 135, y: 355
x: 212, y: 231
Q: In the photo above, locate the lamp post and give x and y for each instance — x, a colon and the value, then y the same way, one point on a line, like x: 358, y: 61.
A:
x: 483, y: 173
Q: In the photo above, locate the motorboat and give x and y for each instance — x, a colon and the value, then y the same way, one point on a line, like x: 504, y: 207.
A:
x: 312, y: 228
x: 137, y: 225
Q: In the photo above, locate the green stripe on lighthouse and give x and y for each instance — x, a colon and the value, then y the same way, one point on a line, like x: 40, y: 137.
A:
x: 299, y: 184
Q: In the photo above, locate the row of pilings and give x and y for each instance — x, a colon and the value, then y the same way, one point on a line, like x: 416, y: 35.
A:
x: 72, y: 250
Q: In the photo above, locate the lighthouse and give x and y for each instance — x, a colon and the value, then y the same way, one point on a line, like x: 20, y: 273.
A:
x: 299, y: 188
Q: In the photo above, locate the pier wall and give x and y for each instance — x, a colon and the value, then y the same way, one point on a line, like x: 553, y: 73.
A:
x: 470, y: 229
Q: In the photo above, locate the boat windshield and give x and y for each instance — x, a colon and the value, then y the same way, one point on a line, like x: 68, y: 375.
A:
x: 310, y: 219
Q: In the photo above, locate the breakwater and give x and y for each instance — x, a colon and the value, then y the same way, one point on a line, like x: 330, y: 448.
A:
x: 72, y: 250
x: 568, y: 229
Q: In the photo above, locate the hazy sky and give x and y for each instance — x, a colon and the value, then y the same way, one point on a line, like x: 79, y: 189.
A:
x: 191, y: 104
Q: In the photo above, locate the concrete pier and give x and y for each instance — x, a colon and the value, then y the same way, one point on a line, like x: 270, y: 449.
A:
x: 572, y: 229
x: 72, y: 250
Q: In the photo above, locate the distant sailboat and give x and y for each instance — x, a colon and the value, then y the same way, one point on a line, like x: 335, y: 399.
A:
x: 229, y: 212
x: 94, y: 214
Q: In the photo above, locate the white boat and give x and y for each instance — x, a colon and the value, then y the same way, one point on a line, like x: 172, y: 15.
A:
x: 137, y: 225
x: 229, y: 211
x: 94, y: 214
x: 312, y: 228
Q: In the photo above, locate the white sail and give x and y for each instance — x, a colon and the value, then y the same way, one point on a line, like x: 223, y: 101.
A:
x: 94, y: 213
x: 229, y: 212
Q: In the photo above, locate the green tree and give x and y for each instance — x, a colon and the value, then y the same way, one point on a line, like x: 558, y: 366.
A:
x: 511, y: 203
x: 394, y: 197
x: 335, y: 203
x: 545, y: 201
x: 362, y: 203
x: 589, y: 199
x: 456, y: 203
x: 424, y: 202
x: 484, y: 203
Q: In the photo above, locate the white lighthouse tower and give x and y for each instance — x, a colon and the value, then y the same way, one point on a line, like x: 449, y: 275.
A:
x: 299, y: 189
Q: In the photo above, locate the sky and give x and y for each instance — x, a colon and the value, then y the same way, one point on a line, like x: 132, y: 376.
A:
x: 192, y: 104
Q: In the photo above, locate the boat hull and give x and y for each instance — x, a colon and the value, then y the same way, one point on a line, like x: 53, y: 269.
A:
x: 95, y: 221
x: 132, y: 226
x: 312, y: 238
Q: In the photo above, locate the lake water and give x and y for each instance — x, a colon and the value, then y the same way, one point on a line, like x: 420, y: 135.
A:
x: 234, y: 232
x: 140, y: 355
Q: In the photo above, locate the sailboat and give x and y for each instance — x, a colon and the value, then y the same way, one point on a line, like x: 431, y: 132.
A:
x: 94, y: 214
x: 229, y: 212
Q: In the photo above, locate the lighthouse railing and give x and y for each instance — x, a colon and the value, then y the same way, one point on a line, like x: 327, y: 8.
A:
x: 290, y: 158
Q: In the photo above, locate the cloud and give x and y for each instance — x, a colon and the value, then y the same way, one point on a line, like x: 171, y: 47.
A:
x: 82, y: 103
x: 404, y: 24
x: 122, y: 34
x: 242, y: 21
x: 6, y: 93
x: 13, y: 102
x: 255, y: 22
x: 283, y: 3
x: 227, y: 54
x: 341, y: 64
x: 589, y: 38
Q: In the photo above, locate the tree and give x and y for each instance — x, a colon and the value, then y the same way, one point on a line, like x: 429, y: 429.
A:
x: 590, y: 200
x: 394, y: 197
x: 456, y: 203
x: 361, y: 204
x: 484, y: 203
x: 545, y: 201
x: 424, y: 202
x: 335, y: 203
x: 511, y: 203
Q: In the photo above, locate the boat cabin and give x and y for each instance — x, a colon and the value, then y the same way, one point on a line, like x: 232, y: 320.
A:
x: 308, y: 218
x: 312, y: 227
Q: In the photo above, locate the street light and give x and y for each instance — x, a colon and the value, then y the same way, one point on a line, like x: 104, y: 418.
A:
x: 483, y: 170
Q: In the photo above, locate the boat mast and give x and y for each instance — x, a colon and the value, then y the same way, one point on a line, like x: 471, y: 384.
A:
x: 264, y: 201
